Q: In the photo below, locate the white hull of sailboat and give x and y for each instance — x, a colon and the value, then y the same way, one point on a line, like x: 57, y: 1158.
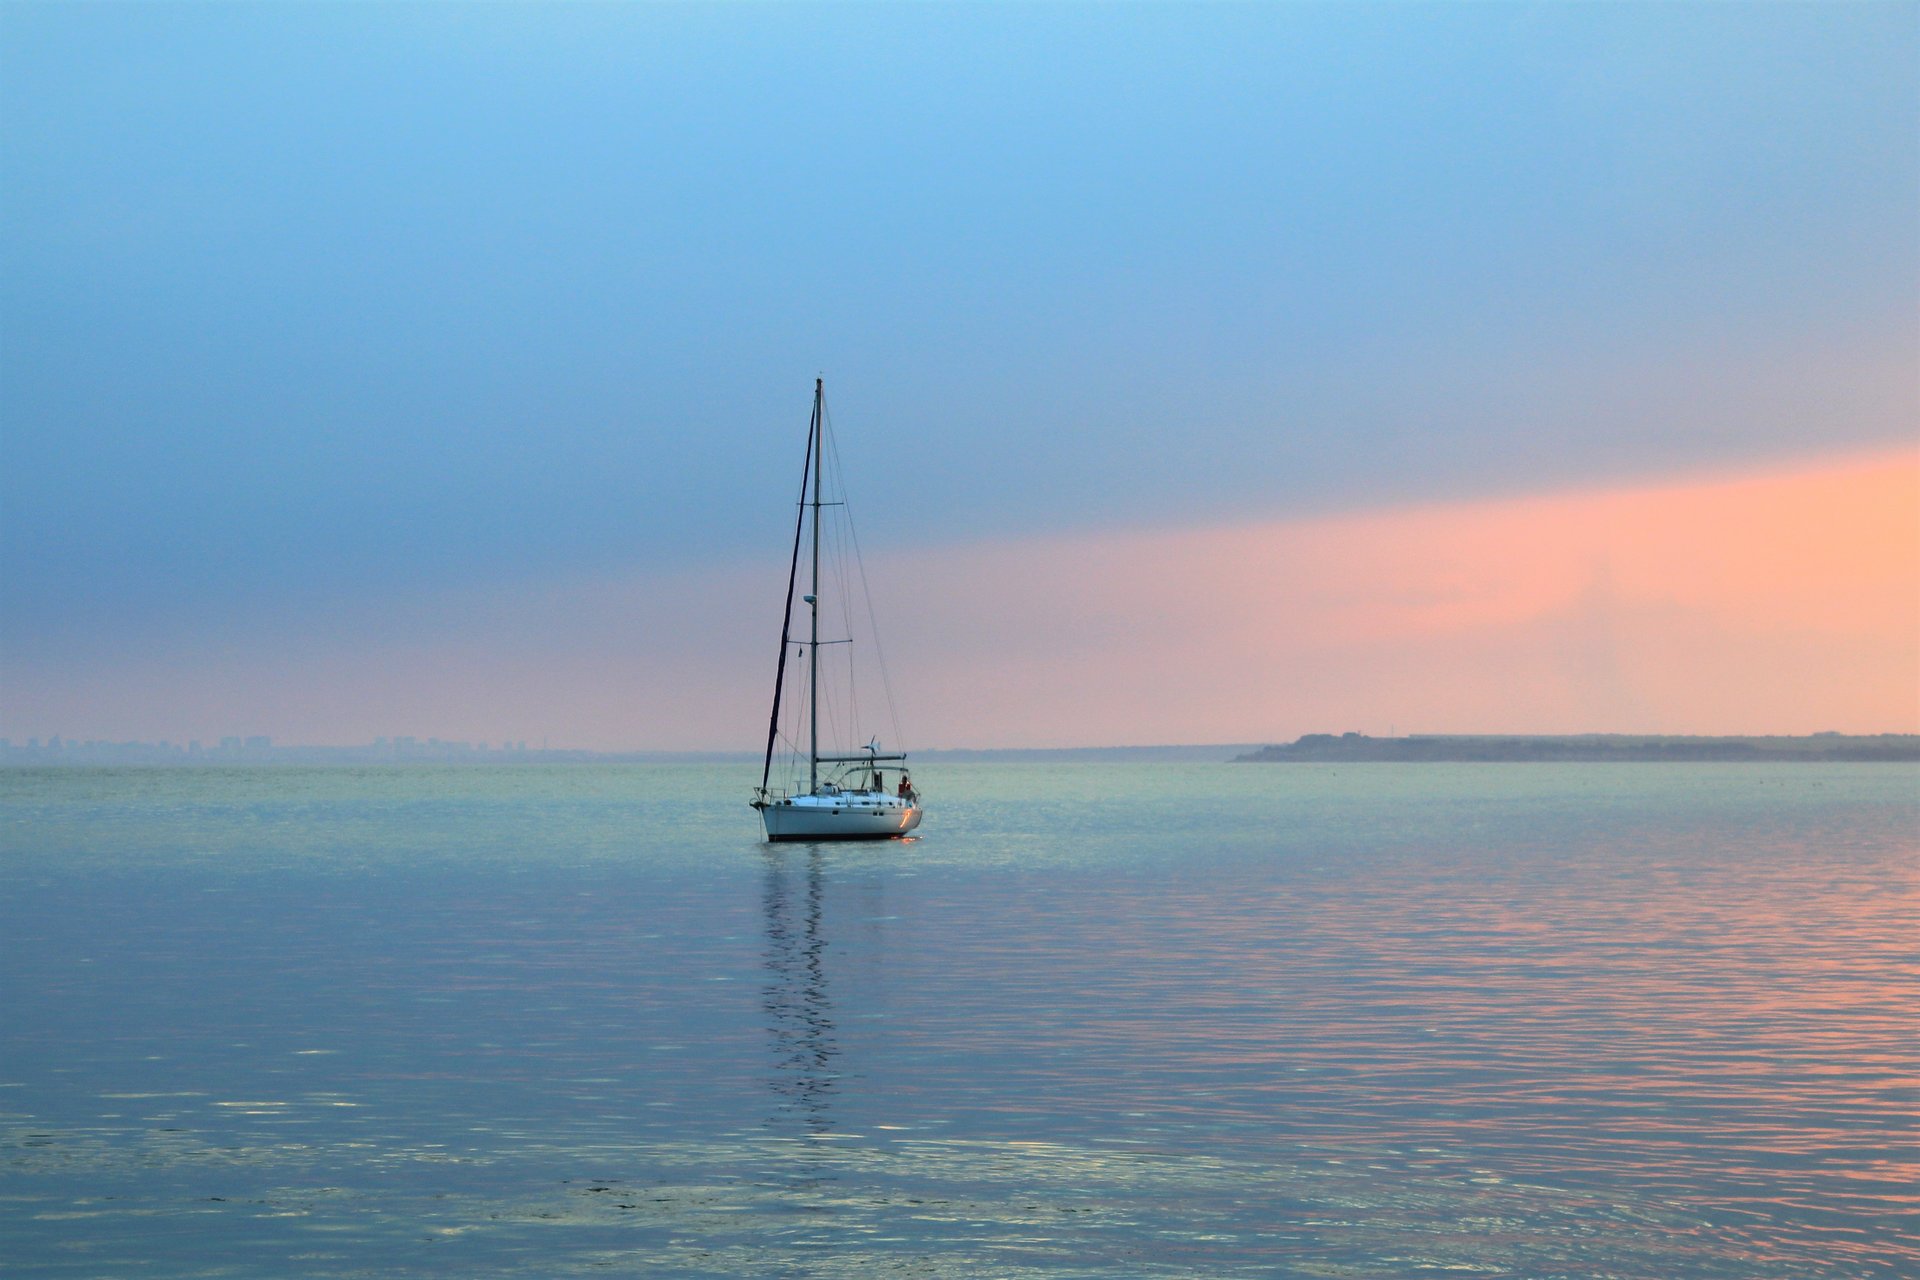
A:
x: 847, y: 816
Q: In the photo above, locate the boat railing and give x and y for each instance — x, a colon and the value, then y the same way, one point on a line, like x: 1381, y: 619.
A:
x: 764, y: 796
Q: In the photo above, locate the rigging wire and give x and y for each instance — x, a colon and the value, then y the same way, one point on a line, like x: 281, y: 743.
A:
x: 835, y: 558
x: 873, y: 626
x: 837, y: 553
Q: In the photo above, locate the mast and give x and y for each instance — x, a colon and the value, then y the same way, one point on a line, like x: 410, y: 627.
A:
x: 786, y: 615
x: 813, y: 602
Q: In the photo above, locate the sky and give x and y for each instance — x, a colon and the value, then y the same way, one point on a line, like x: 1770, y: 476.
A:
x: 1203, y: 373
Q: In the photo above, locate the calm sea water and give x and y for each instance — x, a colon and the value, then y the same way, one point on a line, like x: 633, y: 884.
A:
x: 1114, y: 1021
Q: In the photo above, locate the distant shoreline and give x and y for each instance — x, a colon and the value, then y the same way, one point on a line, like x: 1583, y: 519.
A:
x: 1588, y: 748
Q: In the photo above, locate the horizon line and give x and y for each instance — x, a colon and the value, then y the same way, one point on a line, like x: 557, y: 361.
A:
x: 406, y: 748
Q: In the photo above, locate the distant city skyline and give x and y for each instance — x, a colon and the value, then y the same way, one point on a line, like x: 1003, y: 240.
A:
x: 1205, y: 373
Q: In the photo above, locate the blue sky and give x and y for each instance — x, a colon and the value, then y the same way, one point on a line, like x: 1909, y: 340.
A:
x: 313, y: 309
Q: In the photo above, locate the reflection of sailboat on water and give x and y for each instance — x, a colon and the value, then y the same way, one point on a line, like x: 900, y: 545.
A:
x: 864, y: 793
x: 800, y: 1014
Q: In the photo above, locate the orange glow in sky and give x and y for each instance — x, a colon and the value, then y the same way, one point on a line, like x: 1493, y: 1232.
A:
x: 1784, y: 602
x: 1780, y: 602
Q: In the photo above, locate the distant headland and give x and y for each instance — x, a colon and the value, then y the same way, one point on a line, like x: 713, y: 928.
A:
x: 1356, y: 748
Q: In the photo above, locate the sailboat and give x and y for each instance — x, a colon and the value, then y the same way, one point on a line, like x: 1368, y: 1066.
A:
x: 862, y: 793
